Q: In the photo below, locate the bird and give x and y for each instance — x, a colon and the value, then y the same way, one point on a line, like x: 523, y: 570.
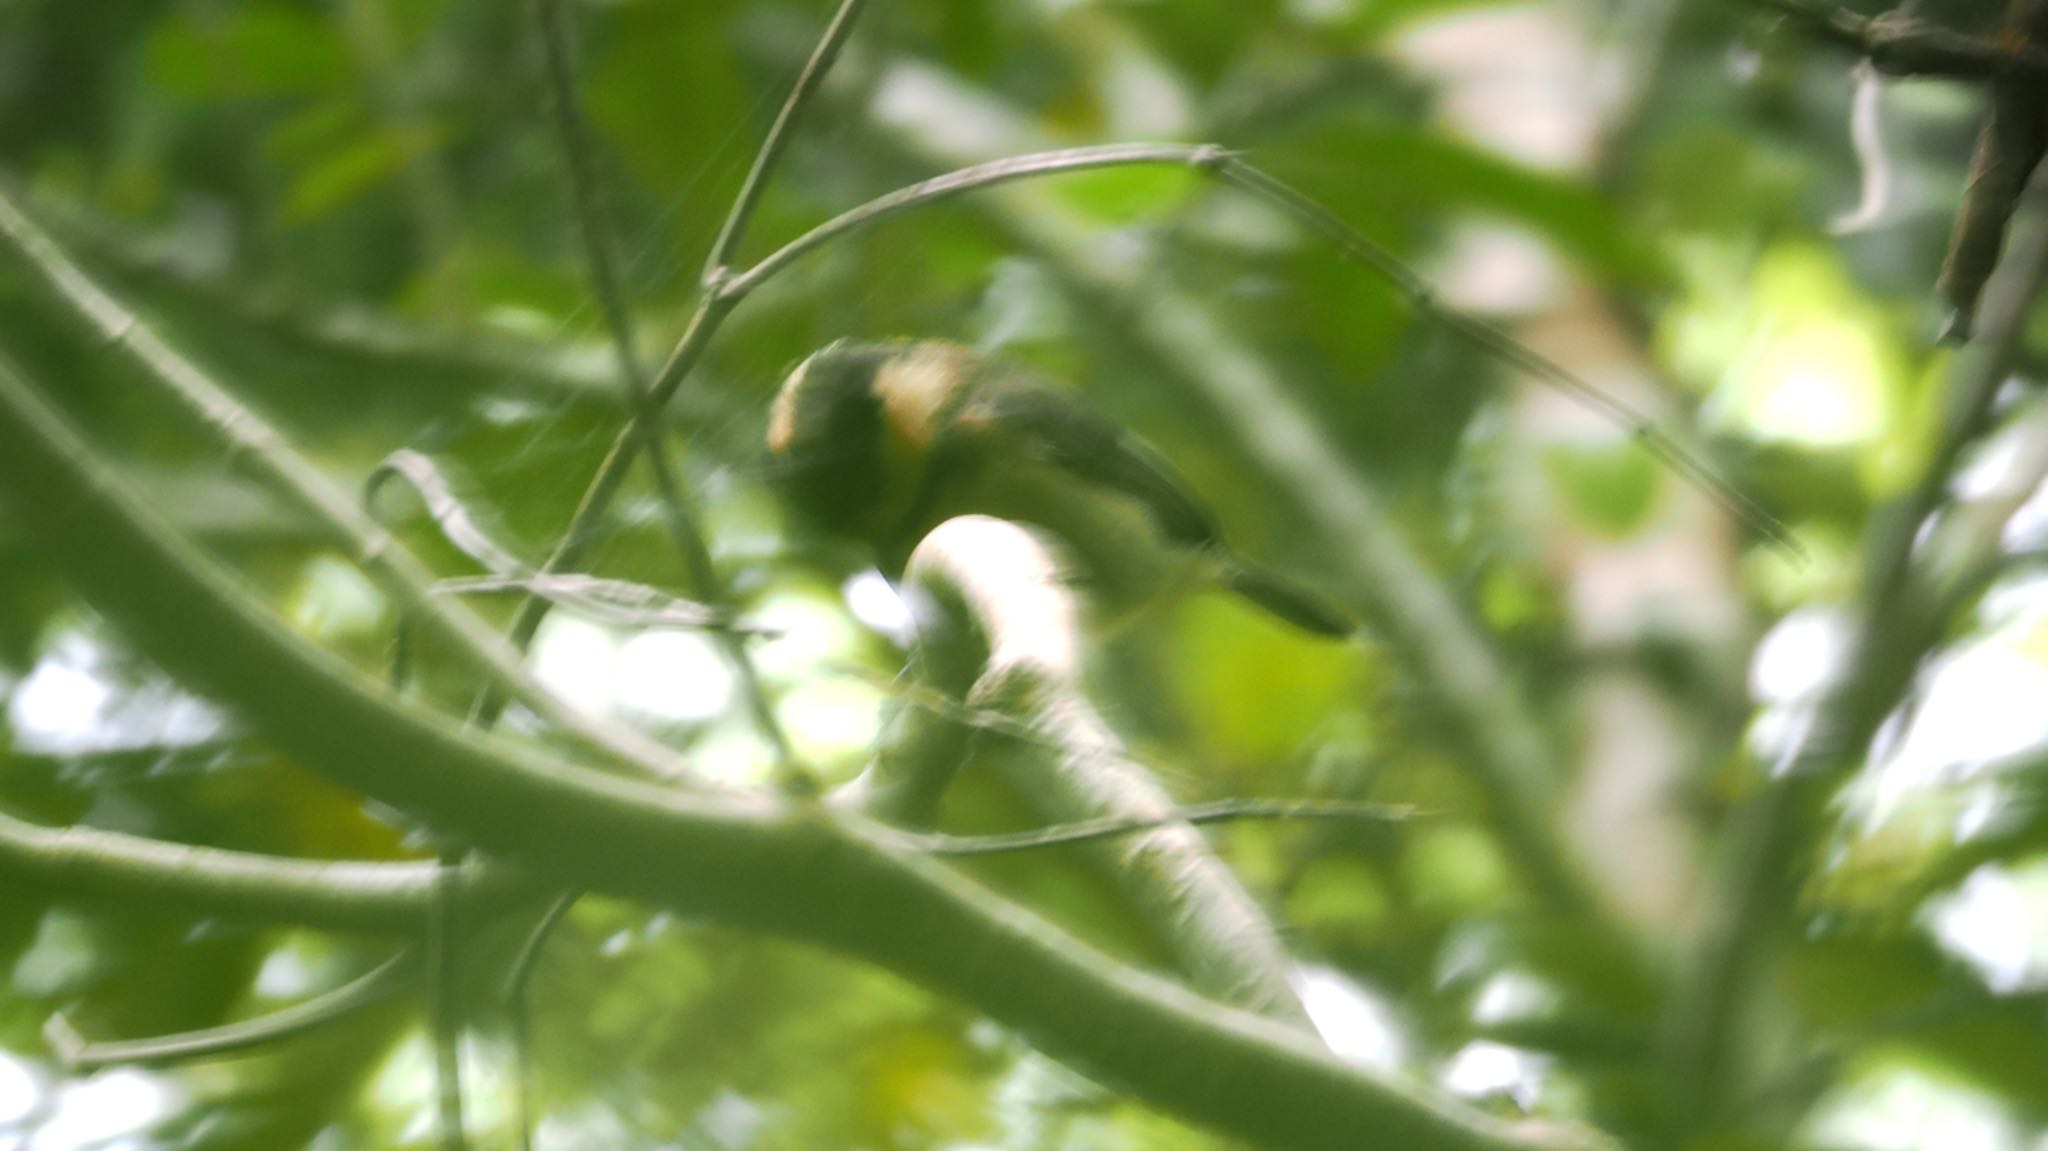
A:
x: 881, y: 441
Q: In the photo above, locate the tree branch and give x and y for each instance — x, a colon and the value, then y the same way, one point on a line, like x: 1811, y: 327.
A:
x: 712, y: 308
x: 996, y: 590
x: 1899, y: 45
x: 754, y: 861
x: 770, y: 152
x: 382, y: 898
x: 380, y: 983
x: 643, y: 411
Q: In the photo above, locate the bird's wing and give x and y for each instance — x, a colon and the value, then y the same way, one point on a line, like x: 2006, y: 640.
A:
x: 1061, y: 431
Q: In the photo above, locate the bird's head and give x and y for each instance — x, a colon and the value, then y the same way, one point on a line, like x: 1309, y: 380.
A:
x: 850, y: 431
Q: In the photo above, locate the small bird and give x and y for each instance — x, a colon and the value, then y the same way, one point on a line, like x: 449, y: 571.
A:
x: 882, y: 441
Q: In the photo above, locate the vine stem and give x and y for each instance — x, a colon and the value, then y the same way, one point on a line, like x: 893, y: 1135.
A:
x: 1194, y: 814
x: 684, y: 524
x: 381, y: 898
x: 800, y: 94
x: 380, y: 983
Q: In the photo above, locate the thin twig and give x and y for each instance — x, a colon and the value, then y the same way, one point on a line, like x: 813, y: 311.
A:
x: 586, y: 196
x: 372, y: 987
x: 444, y: 998
x: 1508, y: 350
x: 519, y: 1006
x: 623, y: 603
x: 974, y: 178
x: 552, y: 21
x: 1110, y: 827
x: 444, y: 1006
x: 684, y: 525
x: 602, y: 489
x: 449, y: 513
x: 770, y: 152
x: 712, y: 308
x: 976, y: 718
x: 429, y: 189
x: 339, y: 896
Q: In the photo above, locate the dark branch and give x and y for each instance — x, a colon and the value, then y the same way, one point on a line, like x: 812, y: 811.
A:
x: 1907, y: 46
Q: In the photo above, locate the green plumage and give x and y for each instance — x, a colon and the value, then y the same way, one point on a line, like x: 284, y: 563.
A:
x: 882, y: 442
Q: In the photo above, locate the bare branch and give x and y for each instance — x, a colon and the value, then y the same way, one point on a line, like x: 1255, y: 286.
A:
x: 1900, y: 45
x: 800, y: 94
x: 380, y: 983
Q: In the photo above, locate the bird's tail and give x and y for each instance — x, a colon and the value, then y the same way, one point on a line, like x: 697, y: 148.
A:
x: 1285, y: 600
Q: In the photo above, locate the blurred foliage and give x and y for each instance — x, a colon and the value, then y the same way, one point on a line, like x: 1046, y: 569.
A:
x: 268, y: 180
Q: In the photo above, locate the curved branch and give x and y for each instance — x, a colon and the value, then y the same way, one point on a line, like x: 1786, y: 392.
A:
x: 1905, y: 46
x: 786, y: 867
x: 765, y: 158
x: 1220, y: 164
x: 1002, y: 604
x: 680, y: 515
x: 970, y: 179
x: 368, y: 989
x: 393, y: 898
x: 1193, y: 814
